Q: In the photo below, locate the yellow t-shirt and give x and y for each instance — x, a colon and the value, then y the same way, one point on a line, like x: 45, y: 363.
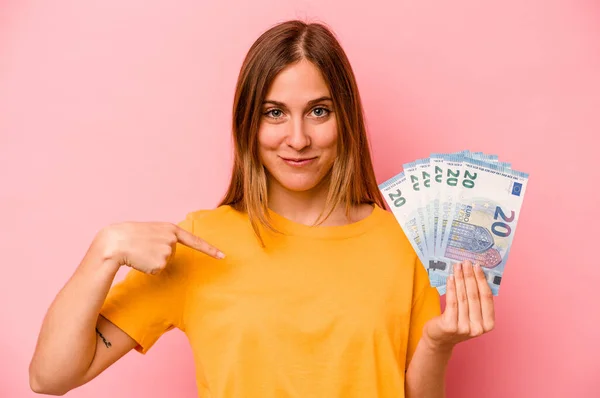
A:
x: 333, y: 311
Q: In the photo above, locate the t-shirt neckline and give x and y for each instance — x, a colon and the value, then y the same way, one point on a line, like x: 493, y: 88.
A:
x: 289, y: 227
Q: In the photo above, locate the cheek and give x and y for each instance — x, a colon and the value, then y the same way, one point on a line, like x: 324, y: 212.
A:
x: 326, y: 138
x: 269, y: 138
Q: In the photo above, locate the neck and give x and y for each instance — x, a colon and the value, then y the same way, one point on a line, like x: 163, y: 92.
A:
x: 305, y: 207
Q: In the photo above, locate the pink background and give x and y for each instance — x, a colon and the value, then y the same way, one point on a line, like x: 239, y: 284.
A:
x: 113, y: 110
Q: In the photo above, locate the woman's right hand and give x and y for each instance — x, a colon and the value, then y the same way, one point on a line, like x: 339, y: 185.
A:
x: 148, y: 246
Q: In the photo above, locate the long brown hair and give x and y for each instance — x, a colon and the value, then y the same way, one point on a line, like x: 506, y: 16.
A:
x: 352, y: 179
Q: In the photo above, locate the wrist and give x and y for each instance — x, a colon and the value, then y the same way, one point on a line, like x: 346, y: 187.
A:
x: 437, y: 347
x: 105, y: 249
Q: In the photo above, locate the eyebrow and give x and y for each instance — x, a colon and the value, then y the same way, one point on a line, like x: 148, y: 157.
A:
x: 310, y: 103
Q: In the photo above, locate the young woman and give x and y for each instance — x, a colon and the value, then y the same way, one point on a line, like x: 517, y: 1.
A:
x: 299, y: 284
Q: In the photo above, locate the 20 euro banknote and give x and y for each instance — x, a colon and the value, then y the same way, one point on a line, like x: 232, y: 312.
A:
x: 483, y: 220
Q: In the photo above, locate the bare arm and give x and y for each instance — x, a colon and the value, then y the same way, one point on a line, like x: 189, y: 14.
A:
x: 426, y: 373
x: 70, y: 351
x: 469, y: 313
x: 75, y: 343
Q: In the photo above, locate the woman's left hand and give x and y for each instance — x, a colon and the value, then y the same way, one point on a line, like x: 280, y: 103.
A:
x: 469, y: 309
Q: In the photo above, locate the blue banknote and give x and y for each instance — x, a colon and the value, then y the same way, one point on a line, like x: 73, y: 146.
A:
x: 458, y: 206
x: 403, y: 202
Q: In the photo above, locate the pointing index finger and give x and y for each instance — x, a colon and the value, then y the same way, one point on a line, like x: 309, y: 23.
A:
x: 190, y: 240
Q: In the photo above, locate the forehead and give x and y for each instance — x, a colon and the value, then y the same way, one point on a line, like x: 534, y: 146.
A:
x: 297, y: 84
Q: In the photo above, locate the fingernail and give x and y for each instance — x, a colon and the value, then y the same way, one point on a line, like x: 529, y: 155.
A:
x: 458, y: 266
x: 220, y: 255
x: 477, y: 266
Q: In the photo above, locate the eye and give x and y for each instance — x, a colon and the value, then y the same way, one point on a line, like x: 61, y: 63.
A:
x: 274, y: 113
x: 320, y: 111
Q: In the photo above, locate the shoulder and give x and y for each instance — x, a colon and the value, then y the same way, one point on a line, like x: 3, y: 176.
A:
x: 216, y: 224
x: 214, y: 217
x: 387, y: 218
x: 390, y: 231
x: 395, y: 240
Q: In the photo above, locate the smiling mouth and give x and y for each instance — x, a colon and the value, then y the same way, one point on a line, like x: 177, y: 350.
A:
x: 298, y: 161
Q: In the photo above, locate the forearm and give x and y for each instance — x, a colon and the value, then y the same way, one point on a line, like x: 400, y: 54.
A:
x: 425, y: 376
x: 67, y: 339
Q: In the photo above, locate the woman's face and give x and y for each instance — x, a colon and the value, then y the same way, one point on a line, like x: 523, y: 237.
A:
x: 298, y: 130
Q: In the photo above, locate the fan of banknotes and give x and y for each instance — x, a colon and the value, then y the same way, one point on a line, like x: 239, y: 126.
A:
x: 456, y: 207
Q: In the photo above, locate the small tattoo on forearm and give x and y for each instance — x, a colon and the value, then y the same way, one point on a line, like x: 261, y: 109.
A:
x: 106, y: 342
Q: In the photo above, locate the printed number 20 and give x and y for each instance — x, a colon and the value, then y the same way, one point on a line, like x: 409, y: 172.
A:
x: 501, y: 228
x: 397, y: 197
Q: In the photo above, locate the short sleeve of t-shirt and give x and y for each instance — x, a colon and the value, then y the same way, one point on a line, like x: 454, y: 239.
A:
x: 146, y: 306
x: 425, y: 306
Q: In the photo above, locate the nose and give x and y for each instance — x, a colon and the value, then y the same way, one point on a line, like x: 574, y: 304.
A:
x: 298, y: 137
